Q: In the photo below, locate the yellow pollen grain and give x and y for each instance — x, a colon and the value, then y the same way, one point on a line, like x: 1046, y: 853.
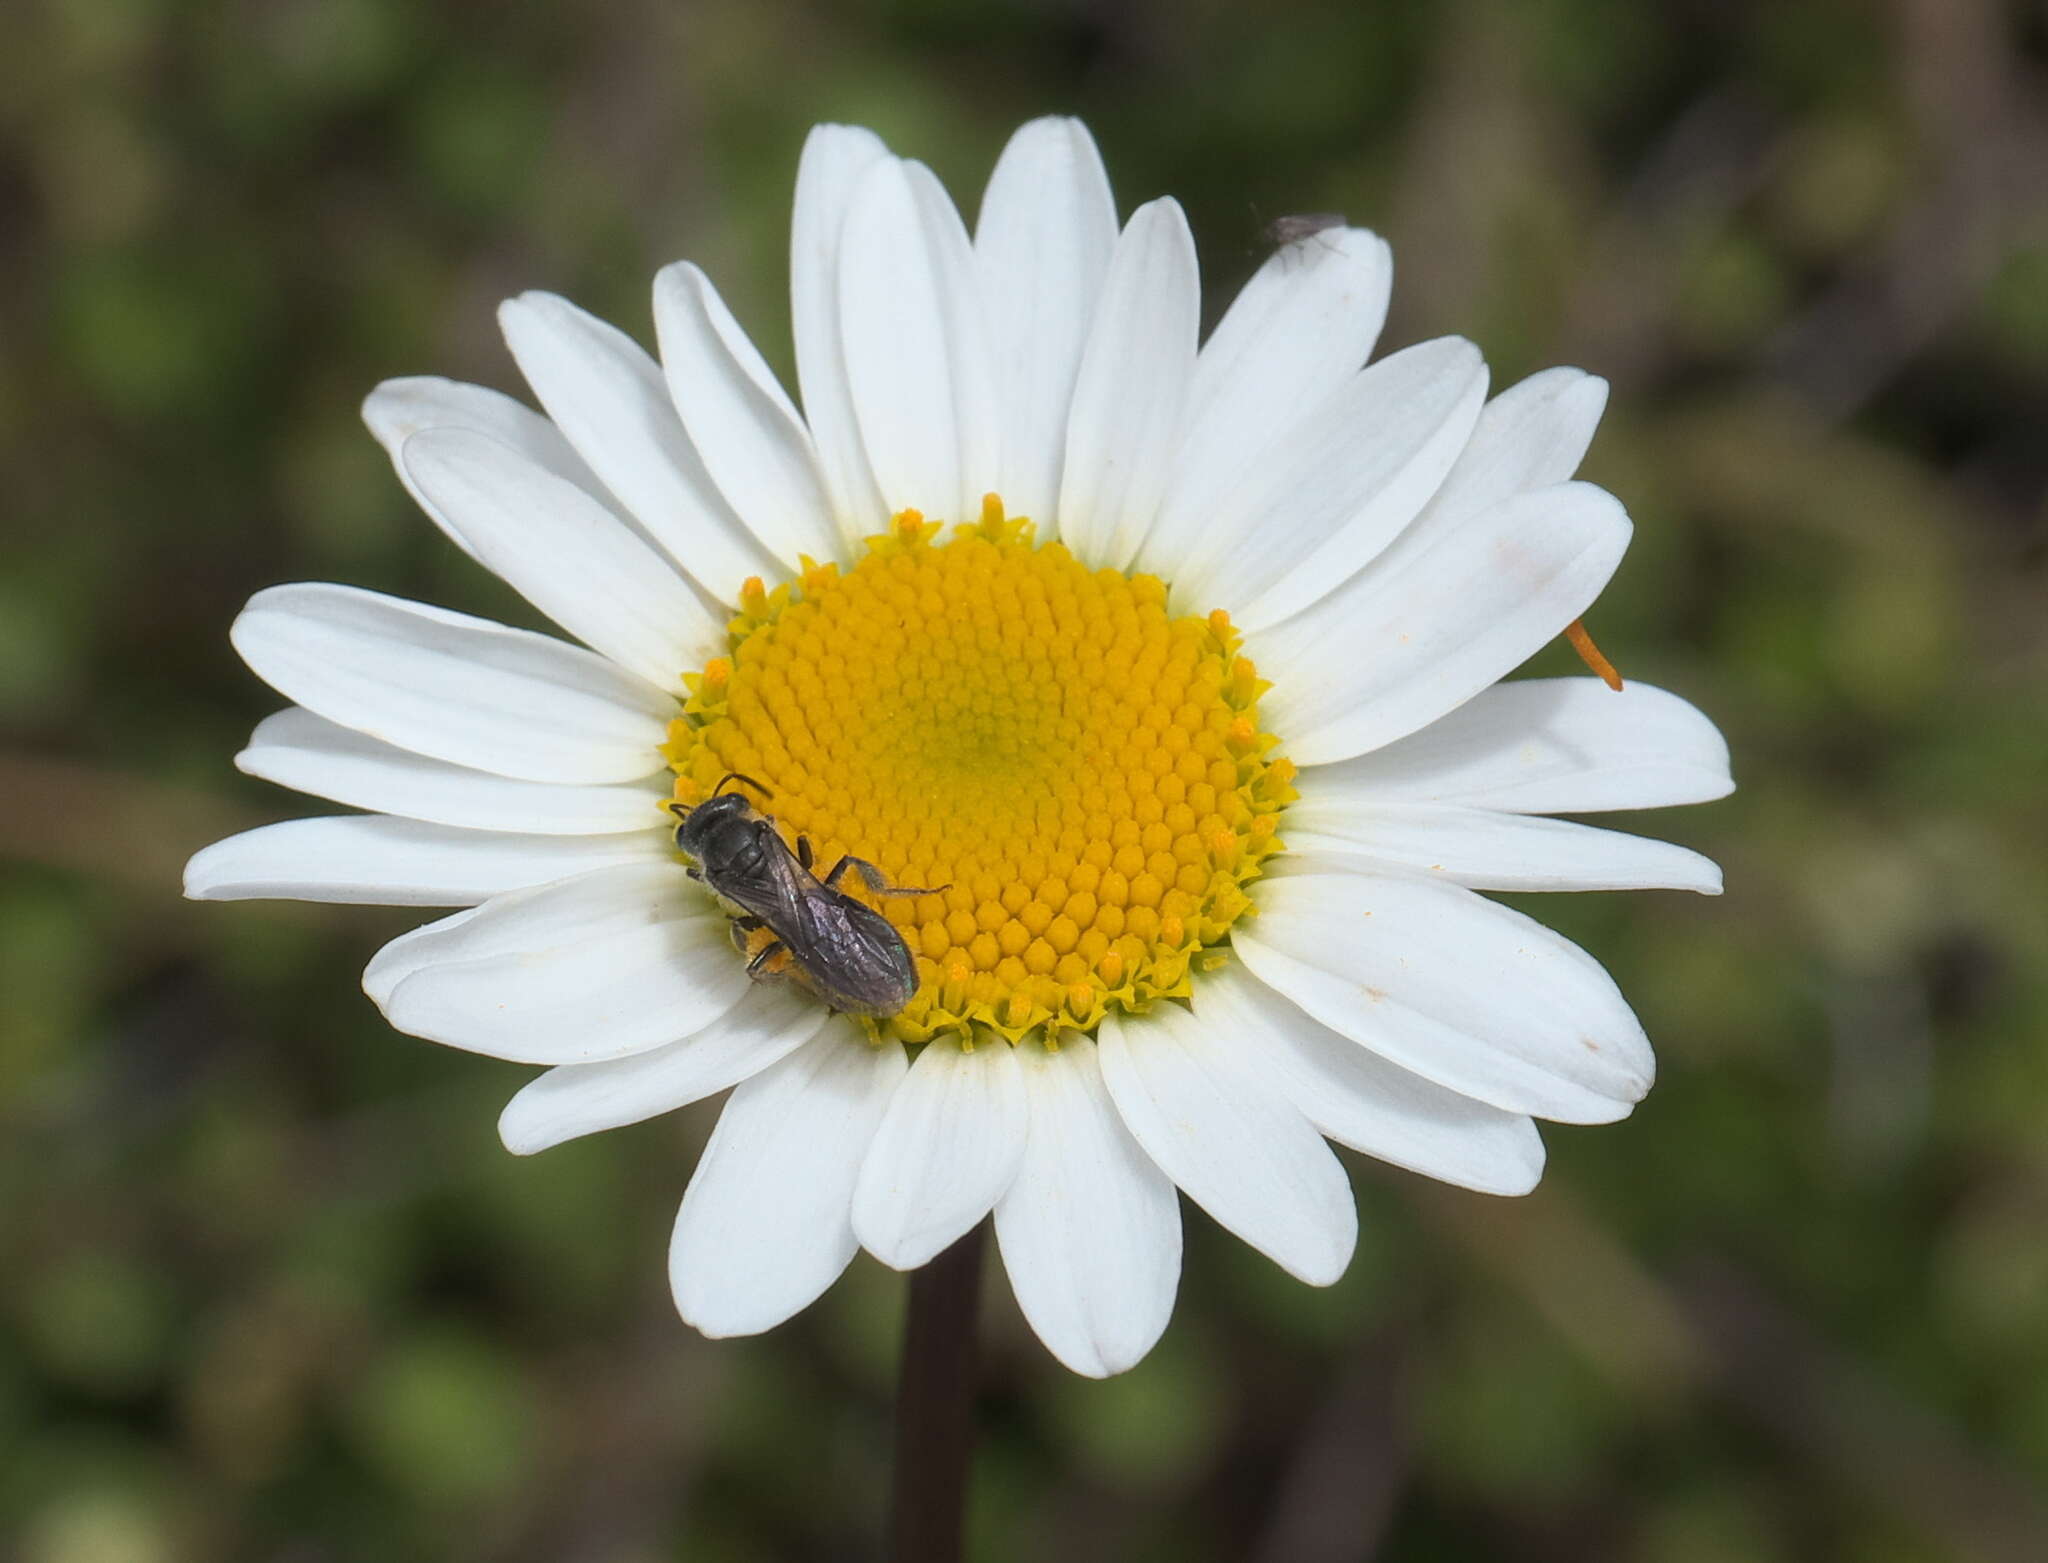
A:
x: 1082, y: 771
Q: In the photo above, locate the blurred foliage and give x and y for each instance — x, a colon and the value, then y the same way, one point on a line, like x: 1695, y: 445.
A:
x: 274, y: 1292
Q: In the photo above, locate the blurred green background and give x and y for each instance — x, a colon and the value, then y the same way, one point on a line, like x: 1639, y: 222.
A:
x: 269, y: 1288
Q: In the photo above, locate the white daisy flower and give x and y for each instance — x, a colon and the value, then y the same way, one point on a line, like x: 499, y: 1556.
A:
x: 1210, y: 752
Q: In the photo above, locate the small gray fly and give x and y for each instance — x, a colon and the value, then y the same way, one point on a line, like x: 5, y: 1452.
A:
x: 1301, y: 227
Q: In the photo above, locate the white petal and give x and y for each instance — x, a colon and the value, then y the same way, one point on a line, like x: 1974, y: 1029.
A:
x: 413, y: 951
x: 1483, y: 849
x: 945, y: 1153
x: 1090, y: 1229
x: 565, y: 553
x: 398, y: 409
x: 1337, y: 489
x: 609, y: 398
x: 766, y: 1225
x: 1041, y: 246
x: 1458, y: 989
x: 769, y: 1023
x: 1359, y: 1099
x: 834, y: 158
x: 1124, y: 428
x: 916, y: 345
x: 1547, y: 746
x: 1299, y: 330
x: 598, y: 967
x: 1410, y: 638
x: 453, y: 687
x: 381, y: 861
x: 740, y: 420
x: 569, y: 911
x: 1241, y: 1150
x: 1533, y: 435
x: 297, y: 749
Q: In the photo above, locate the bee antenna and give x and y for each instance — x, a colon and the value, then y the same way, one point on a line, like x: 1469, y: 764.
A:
x: 733, y: 776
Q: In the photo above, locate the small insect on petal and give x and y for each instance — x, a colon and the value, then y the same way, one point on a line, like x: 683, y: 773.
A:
x: 1301, y: 226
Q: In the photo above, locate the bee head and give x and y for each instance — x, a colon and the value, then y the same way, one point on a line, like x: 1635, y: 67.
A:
x: 694, y: 824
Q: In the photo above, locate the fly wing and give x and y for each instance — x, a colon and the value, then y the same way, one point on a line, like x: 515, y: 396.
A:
x: 853, y: 956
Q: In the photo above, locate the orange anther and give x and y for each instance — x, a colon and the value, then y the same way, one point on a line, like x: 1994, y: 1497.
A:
x: 1590, y: 654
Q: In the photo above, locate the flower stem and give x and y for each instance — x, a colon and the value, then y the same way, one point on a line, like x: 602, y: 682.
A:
x: 935, y: 1406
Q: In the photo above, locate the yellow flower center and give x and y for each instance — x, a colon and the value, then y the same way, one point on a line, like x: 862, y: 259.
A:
x: 1082, y: 770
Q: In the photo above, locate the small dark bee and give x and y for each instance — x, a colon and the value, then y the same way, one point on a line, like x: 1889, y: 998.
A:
x: 849, y: 955
x: 1283, y: 231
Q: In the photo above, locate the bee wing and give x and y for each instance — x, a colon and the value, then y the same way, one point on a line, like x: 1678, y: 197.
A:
x: 772, y: 887
x: 854, y: 953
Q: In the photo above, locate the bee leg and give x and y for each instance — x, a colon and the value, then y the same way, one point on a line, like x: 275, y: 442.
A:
x: 873, y: 876
x: 868, y: 871
x: 696, y: 874
x: 803, y: 851
x: 741, y: 927
x: 754, y: 966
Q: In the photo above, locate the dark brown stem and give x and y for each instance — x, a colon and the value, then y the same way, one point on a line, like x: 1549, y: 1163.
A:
x: 935, y: 1406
